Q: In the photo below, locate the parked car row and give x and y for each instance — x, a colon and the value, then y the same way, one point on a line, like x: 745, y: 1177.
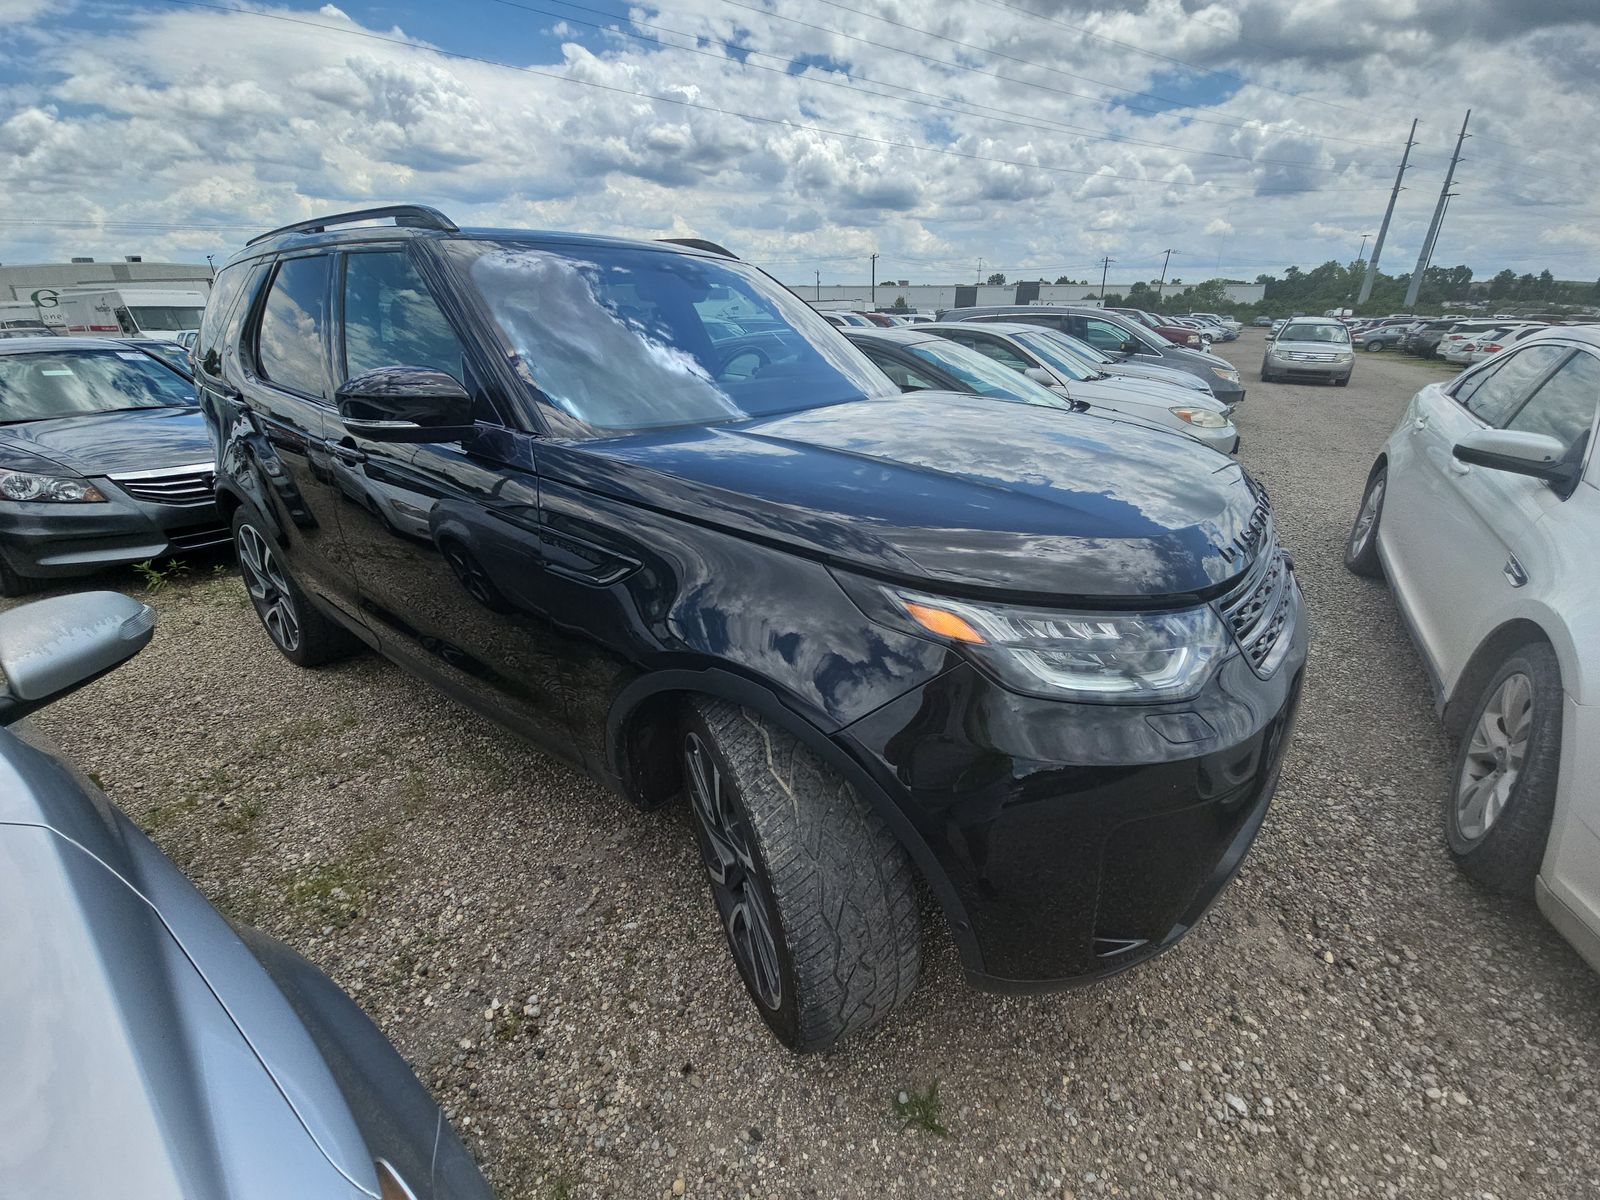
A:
x: 861, y: 320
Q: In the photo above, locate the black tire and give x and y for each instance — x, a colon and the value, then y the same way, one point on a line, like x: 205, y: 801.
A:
x: 1374, y: 347
x: 12, y: 584
x: 1505, y: 856
x: 792, y: 842
x: 1266, y: 375
x: 315, y: 638
x: 1361, y: 547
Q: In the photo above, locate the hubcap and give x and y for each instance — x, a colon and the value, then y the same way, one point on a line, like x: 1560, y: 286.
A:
x: 269, y: 590
x: 725, y: 846
x: 1367, y: 519
x: 1496, y: 749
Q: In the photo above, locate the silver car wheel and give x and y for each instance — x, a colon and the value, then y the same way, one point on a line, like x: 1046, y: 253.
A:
x: 269, y: 590
x: 1495, y: 752
x: 1367, y: 518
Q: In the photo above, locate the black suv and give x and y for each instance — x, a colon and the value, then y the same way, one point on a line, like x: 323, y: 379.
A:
x: 642, y: 505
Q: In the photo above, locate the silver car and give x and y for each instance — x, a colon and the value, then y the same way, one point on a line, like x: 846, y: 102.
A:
x: 150, y: 1048
x: 1309, y: 348
x: 1038, y: 354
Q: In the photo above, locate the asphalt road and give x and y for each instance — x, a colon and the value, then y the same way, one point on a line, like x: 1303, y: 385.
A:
x: 1353, y: 1019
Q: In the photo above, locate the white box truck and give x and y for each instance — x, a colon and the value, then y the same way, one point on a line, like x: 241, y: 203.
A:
x: 130, y: 312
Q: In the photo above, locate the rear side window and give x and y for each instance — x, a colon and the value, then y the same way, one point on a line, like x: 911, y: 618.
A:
x: 1564, y: 407
x: 998, y: 351
x: 390, y: 319
x: 1103, y: 335
x: 1497, y: 396
x: 905, y: 377
x: 219, y: 307
x: 289, y: 344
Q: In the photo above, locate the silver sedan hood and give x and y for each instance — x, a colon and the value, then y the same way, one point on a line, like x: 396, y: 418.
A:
x: 123, y: 1005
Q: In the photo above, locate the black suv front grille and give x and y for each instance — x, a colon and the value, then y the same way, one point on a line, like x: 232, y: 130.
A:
x: 1258, y: 611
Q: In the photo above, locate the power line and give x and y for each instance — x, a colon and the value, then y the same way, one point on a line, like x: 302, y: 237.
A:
x: 936, y: 101
x: 727, y: 112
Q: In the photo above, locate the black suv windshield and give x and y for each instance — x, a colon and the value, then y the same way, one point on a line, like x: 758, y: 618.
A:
x: 40, y: 385
x: 627, y: 338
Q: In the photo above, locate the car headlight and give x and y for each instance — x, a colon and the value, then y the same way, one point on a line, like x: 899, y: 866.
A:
x: 1227, y: 373
x: 1061, y: 654
x: 24, y: 485
x: 1205, y: 418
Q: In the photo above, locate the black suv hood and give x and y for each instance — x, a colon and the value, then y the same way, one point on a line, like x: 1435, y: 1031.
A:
x: 102, y: 443
x: 956, y: 490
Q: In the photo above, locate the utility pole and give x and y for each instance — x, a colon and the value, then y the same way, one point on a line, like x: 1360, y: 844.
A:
x: 819, y: 285
x: 1377, y: 247
x: 980, y: 270
x: 1105, y: 265
x: 1438, y: 217
x: 1361, y: 255
x: 874, y: 281
x: 1163, y: 282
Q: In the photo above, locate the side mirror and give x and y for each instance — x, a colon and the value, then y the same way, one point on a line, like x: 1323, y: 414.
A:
x: 405, y: 404
x: 52, y: 647
x: 1534, y: 454
x: 1129, y: 346
x: 1040, y: 375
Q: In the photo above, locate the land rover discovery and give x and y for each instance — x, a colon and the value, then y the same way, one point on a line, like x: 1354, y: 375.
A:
x: 642, y: 505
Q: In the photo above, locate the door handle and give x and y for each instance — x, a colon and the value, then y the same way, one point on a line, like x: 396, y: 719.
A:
x: 1419, y: 423
x: 1459, y: 467
x: 1514, y: 573
x: 346, y: 451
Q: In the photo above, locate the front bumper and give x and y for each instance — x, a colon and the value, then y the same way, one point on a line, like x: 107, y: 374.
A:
x: 1081, y: 839
x: 1339, y: 369
x: 1229, y: 391
x: 57, y: 541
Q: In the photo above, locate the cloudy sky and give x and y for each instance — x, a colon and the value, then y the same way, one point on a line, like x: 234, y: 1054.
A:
x: 1035, y: 135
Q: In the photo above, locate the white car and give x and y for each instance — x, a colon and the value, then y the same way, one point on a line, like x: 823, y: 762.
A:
x: 1483, y: 511
x: 1225, y: 322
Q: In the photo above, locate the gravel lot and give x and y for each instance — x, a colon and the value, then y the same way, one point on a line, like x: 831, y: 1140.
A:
x: 1353, y: 1019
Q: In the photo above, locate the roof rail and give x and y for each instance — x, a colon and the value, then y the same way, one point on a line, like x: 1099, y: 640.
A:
x: 413, y: 216
x: 702, y: 244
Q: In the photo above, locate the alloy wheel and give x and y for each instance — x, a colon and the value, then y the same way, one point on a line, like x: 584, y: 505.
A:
x: 470, y: 575
x: 1367, y: 518
x: 741, y: 897
x: 268, y: 588
x: 1495, y: 753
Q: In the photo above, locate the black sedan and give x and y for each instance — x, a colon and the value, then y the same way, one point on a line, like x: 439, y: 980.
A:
x: 104, y: 459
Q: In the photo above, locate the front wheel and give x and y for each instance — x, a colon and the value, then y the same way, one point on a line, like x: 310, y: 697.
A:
x: 12, y: 584
x: 1497, y: 817
x: 1374, y: 347
x: 300, y: 631
x: 814, y: 895
x: 1361, y: 548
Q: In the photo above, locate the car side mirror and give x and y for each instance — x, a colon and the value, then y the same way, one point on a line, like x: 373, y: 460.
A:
x: 1040, y: 375
x: 405, y: 404
x: 52, y: 647
x: 1535, y: 454
x: 1129, y: 346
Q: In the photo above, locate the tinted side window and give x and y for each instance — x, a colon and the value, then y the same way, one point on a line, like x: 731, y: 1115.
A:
x: 1498, y: 396
x: 219, y: 305
x: 289, y: 344
x: 390, y: 320
x: 1103, y: 335
x: 905, y: 378
x: 1564, y: 407
x: 989, y: 348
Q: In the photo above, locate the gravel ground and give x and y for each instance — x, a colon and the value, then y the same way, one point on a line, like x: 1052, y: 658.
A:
x: 1353, y: 1019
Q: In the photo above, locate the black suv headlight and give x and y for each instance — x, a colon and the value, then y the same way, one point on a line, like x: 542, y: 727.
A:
x: 1064, y: 654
